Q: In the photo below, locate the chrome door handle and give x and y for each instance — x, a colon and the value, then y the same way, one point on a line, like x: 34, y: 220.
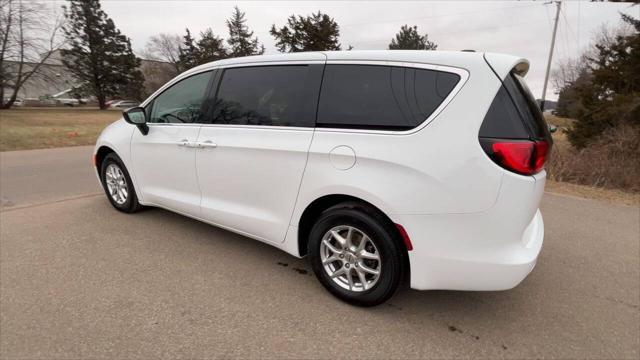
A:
x: 187, y: 143
x: 207, y: 144
x: 183, y: 142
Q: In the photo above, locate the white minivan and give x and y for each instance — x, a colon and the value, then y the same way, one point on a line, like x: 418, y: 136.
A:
x: 378, y: 165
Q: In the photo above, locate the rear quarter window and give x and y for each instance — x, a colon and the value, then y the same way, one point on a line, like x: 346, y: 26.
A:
x: 503, y: 119
x: 381, y: 97
x: 514, y: 113
x: 532, y: 114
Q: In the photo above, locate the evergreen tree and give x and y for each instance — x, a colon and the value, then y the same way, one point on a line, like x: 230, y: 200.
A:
x: 612, y: 97
x: 188, y: 53
x: 241, y: 39
x: 409, y: 39
x: 99, y: 56
x: 318, y: 32
x: 210, y: 48
x: 569, y: 104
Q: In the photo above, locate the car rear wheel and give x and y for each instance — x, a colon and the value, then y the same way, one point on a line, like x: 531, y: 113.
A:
x: 117, y: 184
x: 355, y: 255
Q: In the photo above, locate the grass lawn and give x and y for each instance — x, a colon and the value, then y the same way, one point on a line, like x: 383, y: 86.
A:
x: 41, y: 128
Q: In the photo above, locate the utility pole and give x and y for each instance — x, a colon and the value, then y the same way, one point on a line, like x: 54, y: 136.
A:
x: 553, y: 42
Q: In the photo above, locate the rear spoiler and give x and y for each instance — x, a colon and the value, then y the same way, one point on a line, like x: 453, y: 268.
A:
x: 503, y: 64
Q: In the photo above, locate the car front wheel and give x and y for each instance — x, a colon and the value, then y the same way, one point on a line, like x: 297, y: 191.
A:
x: 117, y: 185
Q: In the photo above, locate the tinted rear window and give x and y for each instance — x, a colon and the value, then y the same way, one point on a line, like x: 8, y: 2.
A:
x: 268, y: 95
x: 532, y: 115
x: 503, y: 119
x: 514, y: 114
x: 381, y: 97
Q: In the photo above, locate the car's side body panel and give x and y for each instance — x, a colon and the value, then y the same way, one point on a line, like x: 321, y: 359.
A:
x: 393, y: 164
x: 165, y: 167
x: 117, y: 137
x: 250, y: 180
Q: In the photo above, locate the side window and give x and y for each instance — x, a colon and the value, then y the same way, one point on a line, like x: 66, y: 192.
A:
x: 284, y: 95
x: 381, y: 97
x: 532, y: 114
x: 502, y: 119
x: 182, y: 102
x: 514, y: 114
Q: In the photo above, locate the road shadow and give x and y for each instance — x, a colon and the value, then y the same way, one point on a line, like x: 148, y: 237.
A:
x: 481, y: 305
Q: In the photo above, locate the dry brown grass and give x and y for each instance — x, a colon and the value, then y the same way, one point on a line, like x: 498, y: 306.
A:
x: 612, y: 162
x: 41, y: 128
x: 560, y: 122
x: 609, y: 195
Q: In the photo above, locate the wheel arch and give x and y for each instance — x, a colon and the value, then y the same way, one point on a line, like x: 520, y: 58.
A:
x: 102, y: 153
x: 104, y: 148
x: 313, y: 210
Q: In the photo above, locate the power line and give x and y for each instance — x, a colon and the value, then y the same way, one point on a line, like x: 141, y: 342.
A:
x: 566, y: 20
x: 445, y: 33
x: 437, y: 16
x: 565, y: 38
x: 550, y: 21
x: 578, y: 28
x: 260, y: 32
x: 546, y: 10
x: 475, y: 31
x: 553, y: 41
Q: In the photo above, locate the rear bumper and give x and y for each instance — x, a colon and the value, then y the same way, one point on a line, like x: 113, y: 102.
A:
x: 480, y: 268
x: 492, y: 250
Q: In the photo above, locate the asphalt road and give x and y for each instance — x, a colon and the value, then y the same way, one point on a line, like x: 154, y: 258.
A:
x: 42, y: 176
x: 81, y: 280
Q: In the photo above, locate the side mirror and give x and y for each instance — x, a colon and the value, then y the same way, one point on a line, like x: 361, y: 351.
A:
x: 136, y: 116
x: 552, y: 128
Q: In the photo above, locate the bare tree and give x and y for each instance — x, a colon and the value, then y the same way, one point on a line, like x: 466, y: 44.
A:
x: 567, y: 72
x: 27, y: 42
x: 166, y: 48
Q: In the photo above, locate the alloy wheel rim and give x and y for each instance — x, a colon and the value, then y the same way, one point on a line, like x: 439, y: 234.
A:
x: 116, y: 184
x: 350, y: 258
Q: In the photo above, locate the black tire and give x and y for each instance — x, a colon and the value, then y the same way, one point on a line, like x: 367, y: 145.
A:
x: 131, y: 204
x: 381, y: 233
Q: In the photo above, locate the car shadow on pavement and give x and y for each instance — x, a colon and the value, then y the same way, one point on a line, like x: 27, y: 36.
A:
x: 480, y: 305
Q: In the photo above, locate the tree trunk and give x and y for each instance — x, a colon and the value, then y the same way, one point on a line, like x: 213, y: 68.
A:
x: 102, y: 102
x: 9, y: 103
x: 2, y: 95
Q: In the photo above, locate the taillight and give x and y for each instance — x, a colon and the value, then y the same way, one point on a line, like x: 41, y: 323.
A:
x: 541, y: 152
x: 513, y: 119
x: 520, y: 156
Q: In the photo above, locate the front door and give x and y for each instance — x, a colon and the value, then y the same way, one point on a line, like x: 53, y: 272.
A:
x: 164, y: 159
x: 253, y: 155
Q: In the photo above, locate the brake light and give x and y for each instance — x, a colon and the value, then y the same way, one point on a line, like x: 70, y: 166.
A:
x: 541, y: 153
x: 520, y: 156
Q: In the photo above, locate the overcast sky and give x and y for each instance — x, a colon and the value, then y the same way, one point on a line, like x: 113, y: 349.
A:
x: 517, y: 27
